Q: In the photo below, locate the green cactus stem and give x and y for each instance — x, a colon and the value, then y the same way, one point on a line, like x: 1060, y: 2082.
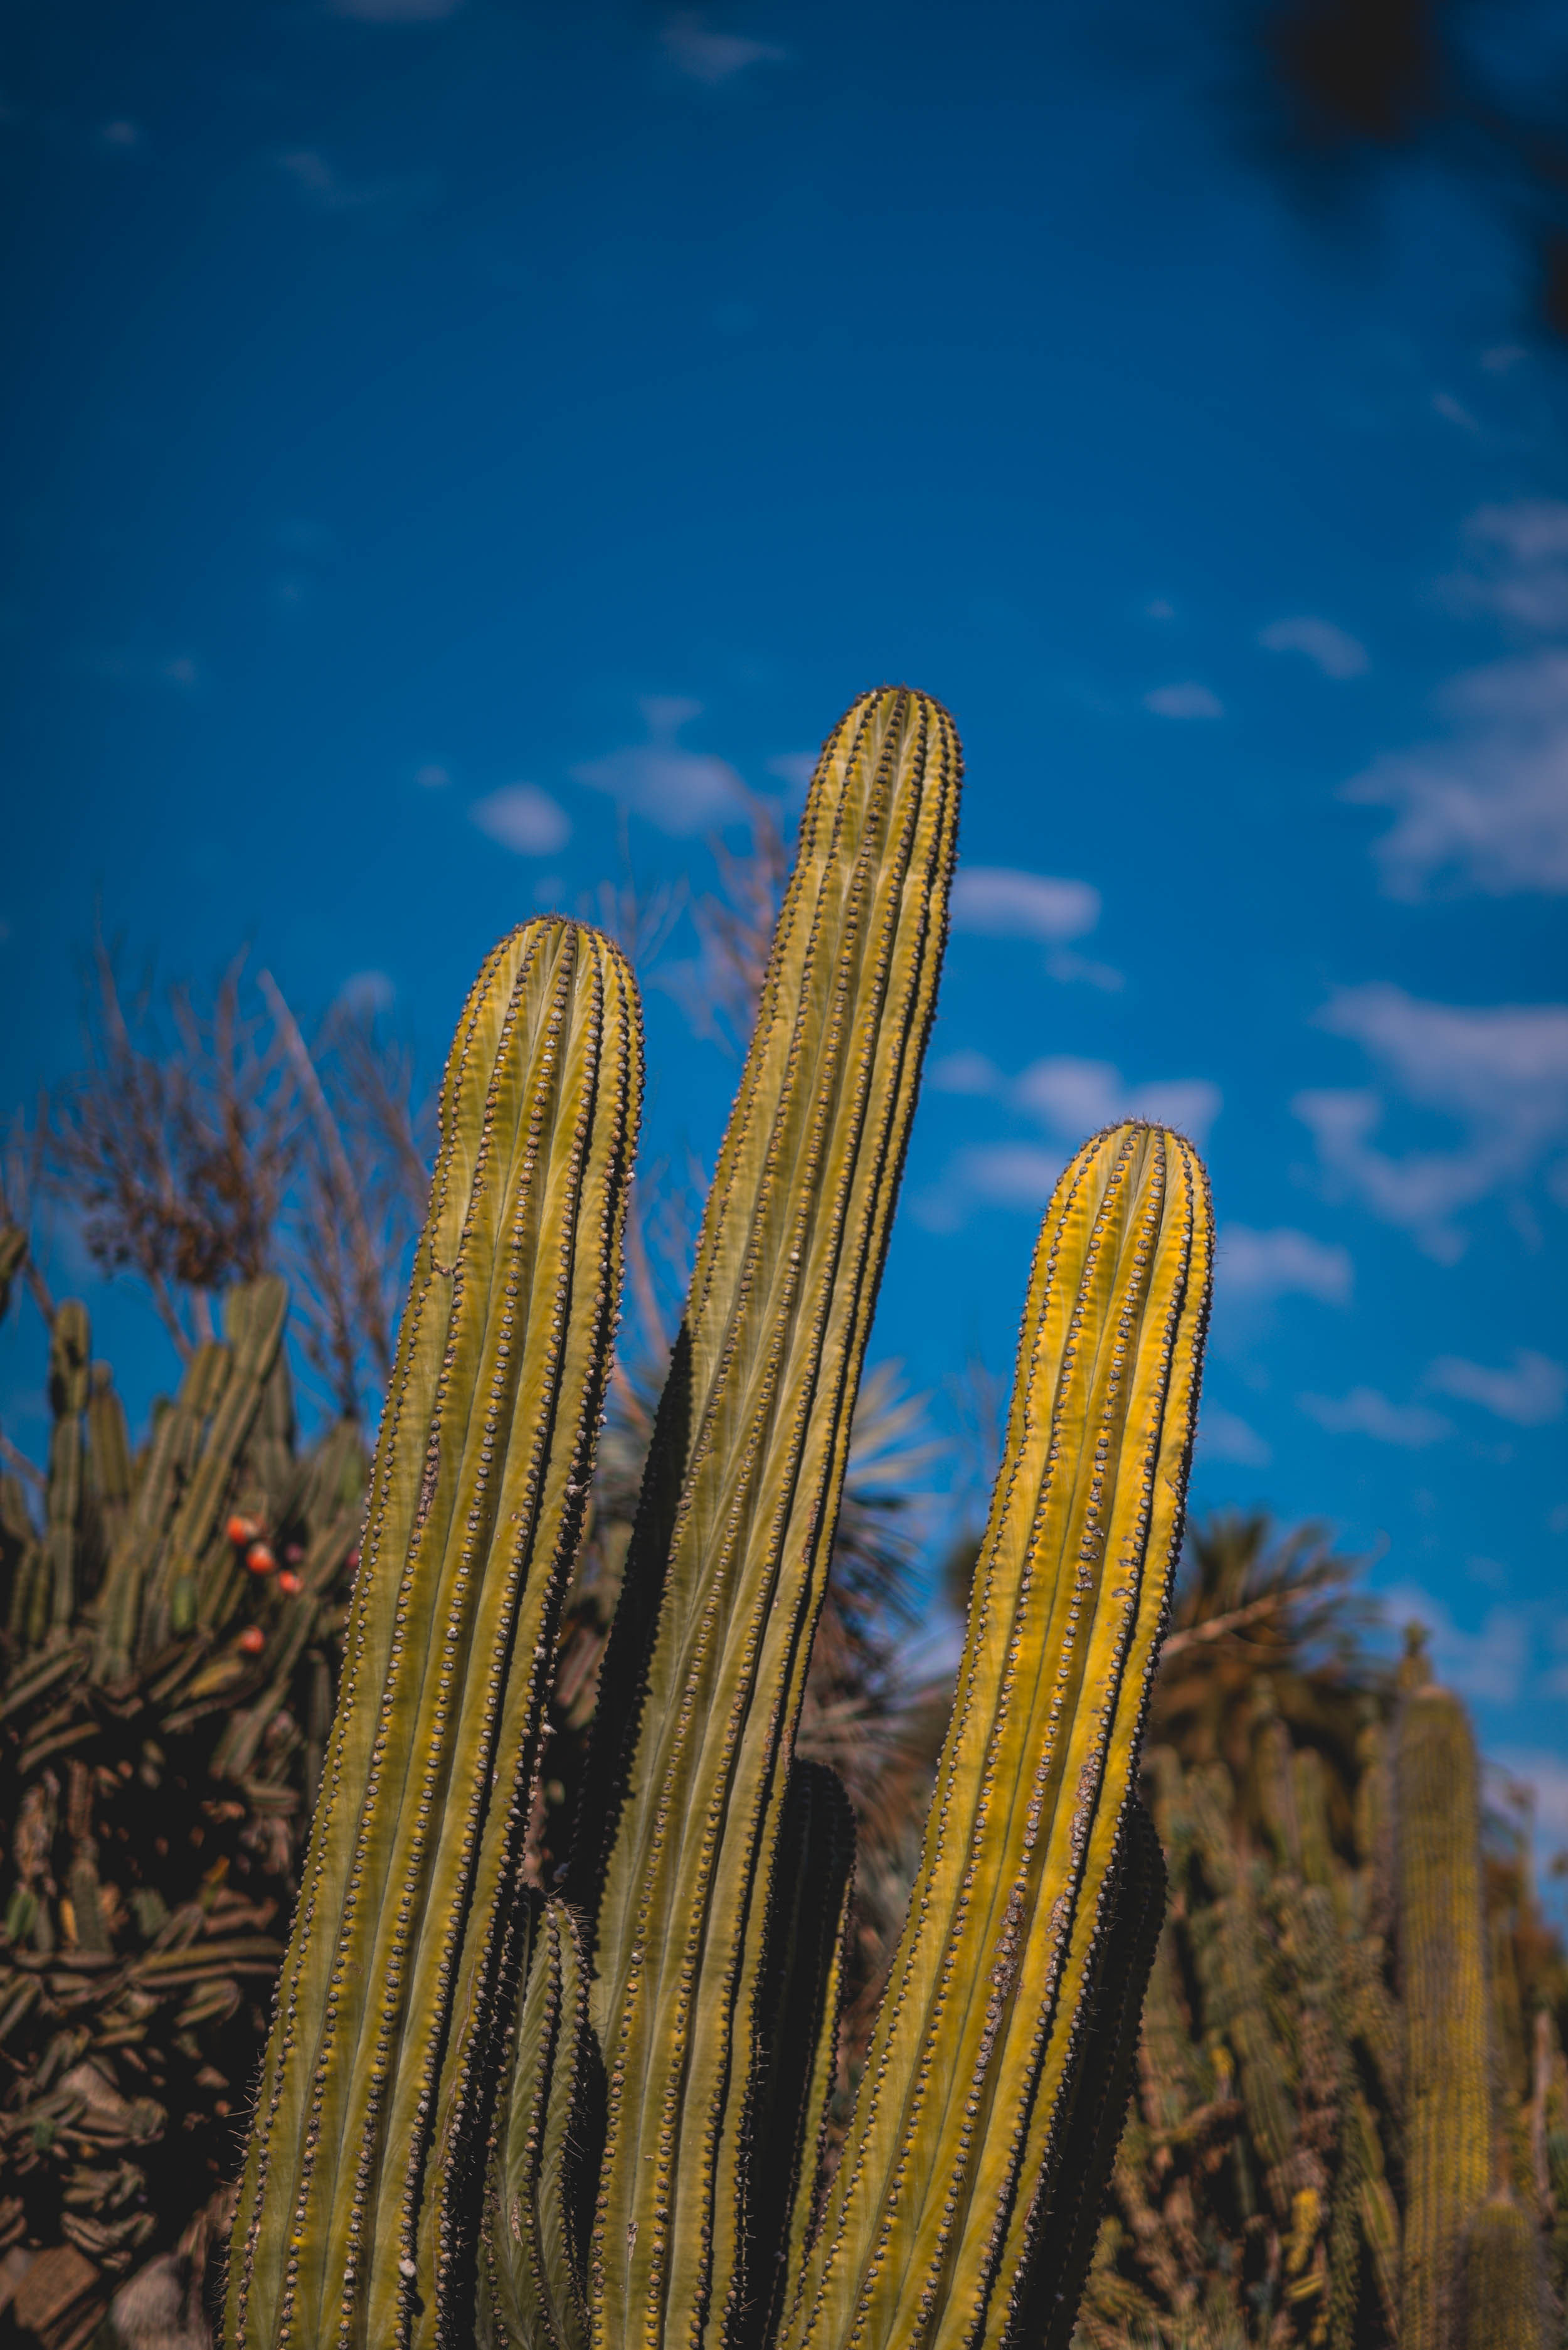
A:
x: 1504, y: 2289
x: 1442, y: 1963
x: 362, y: 2193
x: 705, y: 1671
x: 941, y: 2227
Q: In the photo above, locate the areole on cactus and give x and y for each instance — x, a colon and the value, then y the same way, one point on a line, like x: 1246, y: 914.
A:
x: 594, y: 2120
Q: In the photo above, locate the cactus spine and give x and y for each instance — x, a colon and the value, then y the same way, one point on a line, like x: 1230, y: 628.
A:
x: 1449, y: 2104
x: 362, y: 2159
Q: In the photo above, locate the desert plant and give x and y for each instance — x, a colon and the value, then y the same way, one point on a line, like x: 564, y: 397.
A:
x: 171, y: 1624
x: 595, y: 2118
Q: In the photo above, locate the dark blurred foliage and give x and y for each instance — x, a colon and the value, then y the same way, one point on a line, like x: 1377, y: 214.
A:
x: 1337, y: 85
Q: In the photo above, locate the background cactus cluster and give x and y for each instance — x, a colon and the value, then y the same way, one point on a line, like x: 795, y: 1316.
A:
x: 1348, y: 2120
x: 171, y: 1618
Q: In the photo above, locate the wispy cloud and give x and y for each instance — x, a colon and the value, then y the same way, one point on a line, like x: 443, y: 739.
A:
x: 1261, y: 1266
x: 1529, y: 1392
x: 680, y: 791
x: 321, y: 183
x: 1222, y: 1436
x: 523, y: 819
x: 1501, y: 1074
x: 1366, y: 1411
x: 713, y: 57
x: 1071, y: 1100
x: 1485, y: 806
x: 1001, y: 902
x: 1075, y: 1098
x: 1190, y: 700
x: 1335, y: 652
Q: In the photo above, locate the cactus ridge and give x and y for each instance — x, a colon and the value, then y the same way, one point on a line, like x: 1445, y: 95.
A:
x: 951, y: 2155
x: 739, y: 1505
x: 385, y: 2037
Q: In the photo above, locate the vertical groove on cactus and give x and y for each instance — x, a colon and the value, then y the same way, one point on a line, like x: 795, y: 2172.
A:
x: 70, y: 1352
x: 1133, y: 1903
x: 682, y: 1800
x: 951, y: 2159
x: 361, y: 2198
x: 797, y: 2036
x: 539, y: 2198
x: 1442, y: 1962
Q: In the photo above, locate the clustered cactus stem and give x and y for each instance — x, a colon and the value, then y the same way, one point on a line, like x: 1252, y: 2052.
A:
x: 593, y: 2118
x: 358, y: 2207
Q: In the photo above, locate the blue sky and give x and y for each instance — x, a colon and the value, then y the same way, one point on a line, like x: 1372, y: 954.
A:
x: 430, y: 429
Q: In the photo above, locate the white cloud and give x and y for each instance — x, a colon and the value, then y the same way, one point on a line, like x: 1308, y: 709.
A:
x: 522, y: 817
x: 1500, y: 1073
x: 1489, y: 1663
x: 965, y: 1073
x: 1366, y: 1411
x: 1011, y: 1174
x: 680, y: 791
x: 1336, y: 654
x: 1518, y: 564
x: 366, y: 991
x: 1187, y: 700
x: 1486, y: 809
x: 1453, y: 411
x: 1264, y: 1266
x: 999, y: 901
x: 794, y: 768
x: 1065, y: 964
x: 714, y: 57
x: 1076, y: 1098
x: 1530, y: 1393
x: 433, y: 777
x: 1221, y: 1436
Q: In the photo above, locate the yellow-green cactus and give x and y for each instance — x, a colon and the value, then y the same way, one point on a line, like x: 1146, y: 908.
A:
x: 361, y: 2195
x: 1443, y: 1965
x: 1504, y: 2282
x: 943, y: 2220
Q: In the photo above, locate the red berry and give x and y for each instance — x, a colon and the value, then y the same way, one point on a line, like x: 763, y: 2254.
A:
x: 352, y: 1561
x: 259, y: 1559
x: 288, y: 1581
x: 253, y: 1639
x: 294, y: 1554
x: 242, y: 1529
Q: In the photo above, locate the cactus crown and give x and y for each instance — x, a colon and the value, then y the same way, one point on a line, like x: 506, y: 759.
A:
x: 594, y: 2118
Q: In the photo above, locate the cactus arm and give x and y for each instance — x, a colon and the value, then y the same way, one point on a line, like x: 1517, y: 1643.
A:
x: 928, y: 2231
x: 686, y: 1810
x: 532, y: 2279
x: 1504, y: 2295
x: 385, y: 2036
x: 176, y: 1442
x: 797, y: 2044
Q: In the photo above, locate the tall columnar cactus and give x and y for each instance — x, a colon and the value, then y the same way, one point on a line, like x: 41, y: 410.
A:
x: 358, y: 2206
x: 593, y: 2120
x: 946, y: 2220
x: 1443, y: 1965
x: 737, y: 1518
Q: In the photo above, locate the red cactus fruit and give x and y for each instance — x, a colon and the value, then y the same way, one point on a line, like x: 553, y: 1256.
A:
x: 240, y: 1529
x: 288, y: 1581
x: 253, y: 1639
x: 259, y: 1558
